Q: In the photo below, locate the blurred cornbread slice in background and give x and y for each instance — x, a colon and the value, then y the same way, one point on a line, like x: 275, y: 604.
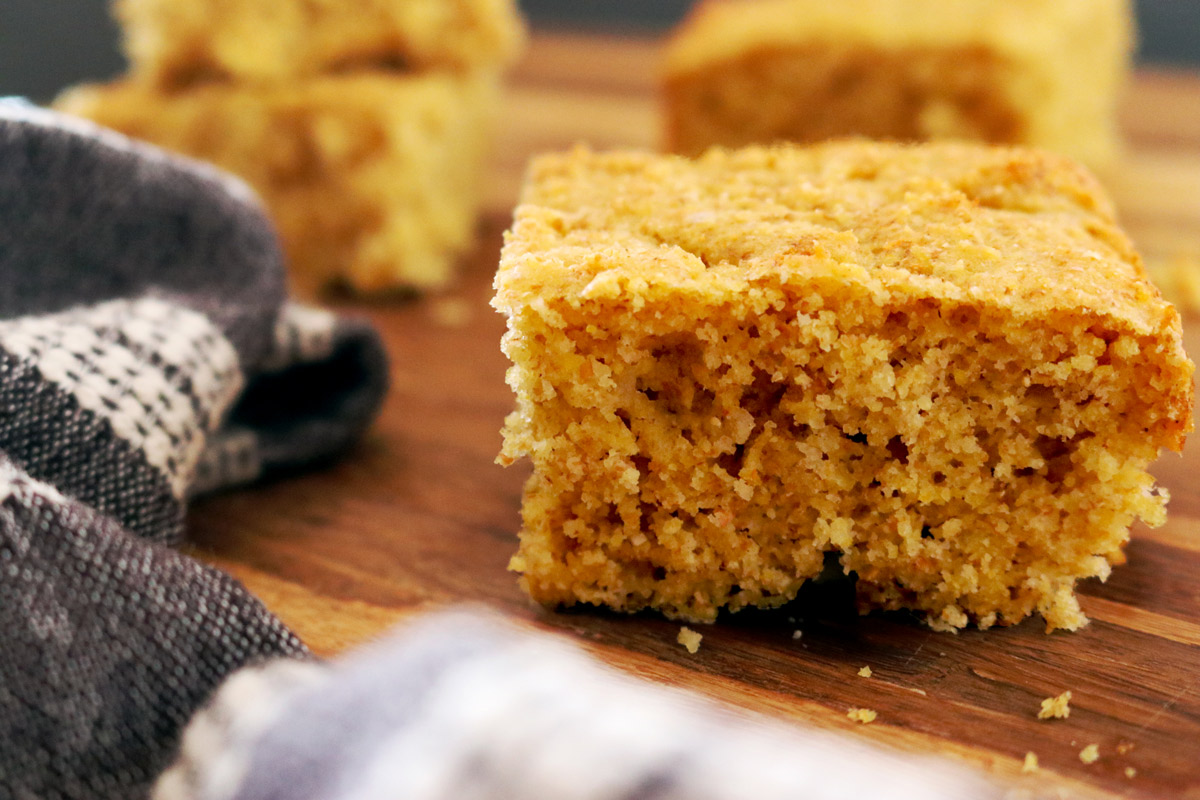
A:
x: 372, y: 179
x: 364, y: 124
x: 1178, y: 277
x: 1045, y: 73
x: 941, y: 363
x: 177, y: 43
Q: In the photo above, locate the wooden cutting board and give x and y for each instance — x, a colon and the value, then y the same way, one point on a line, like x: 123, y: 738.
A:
x: 418, y: 516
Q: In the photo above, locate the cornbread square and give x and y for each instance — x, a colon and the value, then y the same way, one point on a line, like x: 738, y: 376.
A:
x: 181, y: 42
x: 373, y: 179
x: 941, y: 363
x: 1045, y: 73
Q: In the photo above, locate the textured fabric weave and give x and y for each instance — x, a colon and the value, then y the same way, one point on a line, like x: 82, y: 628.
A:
x: 109, y: 644
x: 463, y: 706
x: 147, y: 354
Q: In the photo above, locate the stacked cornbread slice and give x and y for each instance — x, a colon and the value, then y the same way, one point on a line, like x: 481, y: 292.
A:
x: 363, y: 123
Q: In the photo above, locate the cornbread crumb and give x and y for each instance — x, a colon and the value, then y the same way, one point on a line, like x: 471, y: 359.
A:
x: 865, y: 672
x: 1090, y: 754
x: 863, y: 715
x: 1031, y: 763
x: 1130, y: 772
x: 1123, y: 748
x: 1056, y: 707
x: 796, y: 634
x: 690, y: 639
x: 942, y: 365
x: 451, y: 312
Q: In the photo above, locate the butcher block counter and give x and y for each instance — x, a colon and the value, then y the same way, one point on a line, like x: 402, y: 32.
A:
x: 418, y: 516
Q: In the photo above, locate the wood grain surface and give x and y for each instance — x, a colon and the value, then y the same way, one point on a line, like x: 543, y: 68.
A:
x: 418, y: 516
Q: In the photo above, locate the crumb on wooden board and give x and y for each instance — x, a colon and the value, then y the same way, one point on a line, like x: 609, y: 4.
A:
x: 1056, y: 707
x: 690, y: 639
x: 451, y: 312
x: 862, y: 715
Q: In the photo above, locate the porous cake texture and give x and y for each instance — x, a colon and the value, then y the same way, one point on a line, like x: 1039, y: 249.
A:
x: 941, y: 363
x: 373, y: 179
x: 1046, y: 73
x: 176, y: 42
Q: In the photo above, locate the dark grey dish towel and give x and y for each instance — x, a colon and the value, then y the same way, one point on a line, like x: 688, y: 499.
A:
x: 147, y: 353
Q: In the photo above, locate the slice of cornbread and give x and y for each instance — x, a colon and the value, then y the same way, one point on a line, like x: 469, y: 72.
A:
x: 177, y: 43
x: 1032, y: 72
x: 942, y: 363
x: 372, y: 178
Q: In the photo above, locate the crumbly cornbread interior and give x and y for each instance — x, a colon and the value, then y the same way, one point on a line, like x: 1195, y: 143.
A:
x: 941, y: 363
x: 821, y: 91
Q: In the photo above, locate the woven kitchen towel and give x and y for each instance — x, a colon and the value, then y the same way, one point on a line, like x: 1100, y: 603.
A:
x: 462, y: 705
x: 147, y: 353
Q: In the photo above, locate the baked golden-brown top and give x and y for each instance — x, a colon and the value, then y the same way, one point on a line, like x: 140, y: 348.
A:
x: 1021, y: 230
x: 181, y: 42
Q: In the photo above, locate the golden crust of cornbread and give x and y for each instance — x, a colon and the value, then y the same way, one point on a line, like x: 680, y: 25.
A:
x: 178, y: 43
x: 1045, y: 73
x: 941, y: 363
x: 371, y: 178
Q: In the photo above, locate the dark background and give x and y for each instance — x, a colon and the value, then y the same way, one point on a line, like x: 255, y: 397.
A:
x: 46, y: 45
